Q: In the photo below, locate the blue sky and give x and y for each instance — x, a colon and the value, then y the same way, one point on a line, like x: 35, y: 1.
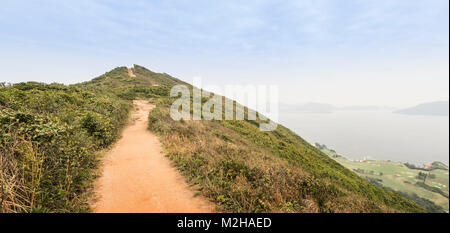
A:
x: 339, y: 52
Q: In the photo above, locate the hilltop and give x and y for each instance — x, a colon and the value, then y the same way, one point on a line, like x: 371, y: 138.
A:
x: 52, y: 137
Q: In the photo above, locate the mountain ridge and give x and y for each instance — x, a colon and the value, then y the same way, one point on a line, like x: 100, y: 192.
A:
x: 234, y: 164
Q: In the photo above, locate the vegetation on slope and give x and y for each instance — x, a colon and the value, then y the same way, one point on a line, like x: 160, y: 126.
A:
x: 426, y: 186
x: 243, y: 169
x: 51, y: 135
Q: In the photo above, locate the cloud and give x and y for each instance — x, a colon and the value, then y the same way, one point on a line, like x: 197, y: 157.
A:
x: 320, y: 41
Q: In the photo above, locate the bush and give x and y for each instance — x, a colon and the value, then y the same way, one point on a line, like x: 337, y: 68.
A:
x: 99, y: 127
x: 50, y: 135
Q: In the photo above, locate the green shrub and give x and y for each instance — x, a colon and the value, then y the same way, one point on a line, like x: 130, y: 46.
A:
x: 50, y: 135
x: 99, y: 127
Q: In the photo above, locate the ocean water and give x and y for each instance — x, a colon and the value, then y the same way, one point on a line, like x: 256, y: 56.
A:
x: 379, y: 135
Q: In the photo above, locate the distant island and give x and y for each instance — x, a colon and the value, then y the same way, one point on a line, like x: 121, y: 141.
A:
x: 437, y: 108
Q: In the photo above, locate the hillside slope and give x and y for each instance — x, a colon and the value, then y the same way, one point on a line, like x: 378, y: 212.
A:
x: 56, y: 132
x: 427, y: 186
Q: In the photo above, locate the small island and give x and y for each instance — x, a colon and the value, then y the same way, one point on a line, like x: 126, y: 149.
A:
x: 437, y: 108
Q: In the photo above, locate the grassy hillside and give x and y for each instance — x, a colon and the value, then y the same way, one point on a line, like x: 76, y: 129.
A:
x: 427, y: 186
x: 51, y: 136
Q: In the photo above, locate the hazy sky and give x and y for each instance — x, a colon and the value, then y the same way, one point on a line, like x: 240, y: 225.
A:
x: 339, y: 52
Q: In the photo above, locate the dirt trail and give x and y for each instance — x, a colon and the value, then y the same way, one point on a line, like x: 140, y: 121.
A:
x: 130, y: 73
x: 137, y: 177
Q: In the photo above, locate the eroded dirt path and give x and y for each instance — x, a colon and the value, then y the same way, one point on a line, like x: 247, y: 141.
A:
x: 130, y: 73
x: 137, y: 177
